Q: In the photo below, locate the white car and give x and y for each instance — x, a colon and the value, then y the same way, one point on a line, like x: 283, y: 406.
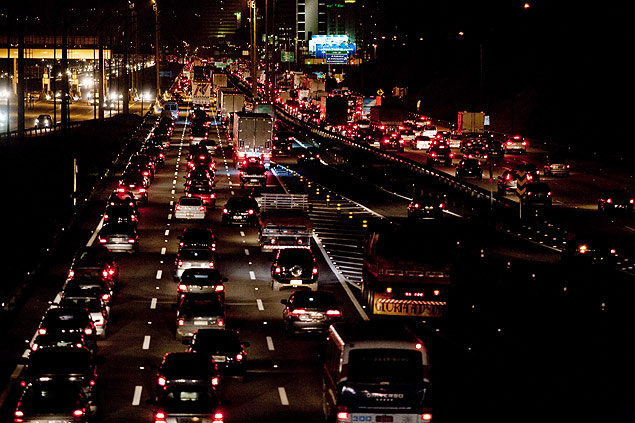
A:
x: 421, y: 143
x: 190, y: 208
x: 407, y: 135
x: 429, y: 131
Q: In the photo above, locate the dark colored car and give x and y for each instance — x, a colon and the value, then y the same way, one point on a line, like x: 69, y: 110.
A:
x: 439, y: 153
x: 537, y: 194
x: 44, y: 121
x: 123, y: 198
x: 135, y: 183
x: 589, y: 250
x: 425, y: 206
x: 616, y: 200
x: 240, y: 210
x: 507, y: 181
x: 198, y: 311
x: 95, y: 262
x: 69, y: 320
x: 201, y: 281
x: 92, y: 285
x: 392, y: 142
x: 53, y: 401
x: 294, y: 267
x: 119, y: 237
x: 225, y: 347
x: 253, y: 173
x: 120, y: 214
x: 156, y: 153
x: 469, y: 167
x: 310, y: 311
x: 309, y: 155
x: 200, y: 176
x: 479, y: 152
x: 204, y: 191
x: 197, y: 237
x: 202, y: 161
x: 61, y: 340
x: 531, y: 170
x: 181, y: 369
x: 188, y: 404
x: 282, y: 143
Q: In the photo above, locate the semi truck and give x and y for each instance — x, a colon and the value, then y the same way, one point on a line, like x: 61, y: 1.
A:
x: 251, y: 136
x: 471, y: 122
x: 386, y: 118
x: 230, y: 101
x: 407, y: 270
x: 284, y: 221
x: 219, y: 80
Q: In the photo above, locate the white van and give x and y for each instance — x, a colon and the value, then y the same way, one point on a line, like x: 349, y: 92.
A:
x: 172, y: 107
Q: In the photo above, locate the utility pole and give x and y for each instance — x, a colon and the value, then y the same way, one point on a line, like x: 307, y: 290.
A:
x: 254, y: 50
x: 126, y: 76
x: 21, y: 74
x: 65, y: 96
x: 267, y: 63
x: 155, y: 7
x: 102, y: 72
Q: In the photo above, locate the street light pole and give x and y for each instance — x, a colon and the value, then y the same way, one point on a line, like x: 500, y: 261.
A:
x: 254, y: 50
x: 155, y: 7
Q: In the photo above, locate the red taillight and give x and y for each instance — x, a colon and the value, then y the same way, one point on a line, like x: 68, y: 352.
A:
x: 34, y: 347
x: 298, y: 311
x: 88, y: 331
x: 613, y: 251
x: 180, y: 322
x: 159, y: 415
x: 105, y: 297
x: 18, y: 413
x: 433, y: 154
x: 225, y: 211
x: 315, y: 271
x: 142, y: 190
x: 71, y: 273
x: 213, y: 195
x: 610, y: 200
x: 41, y: 331
x: 131, y: 240
x: 179, y: 263
x: 218, y: 418
x: 182, y: 288
x: 221, y: 323
x: 102, y: 240
x: 278, y: 269
x: 342, y: 415
x: 524, y: 143
x: 161, y: 381
x: 178, y: 207
x: 509, y: 143
x: 426, y: 417
x: 632, y: 201
x: 333, y: 313
x: 104, y: 273
x: 78, y: 413
x: 250, y: 211
x: 440, y: 205
x: 121, y: 190
x: 219, y: 288
x: 214, y: 381
x: 211, y: 264
x: 202, y: 208
x: 105, y: 218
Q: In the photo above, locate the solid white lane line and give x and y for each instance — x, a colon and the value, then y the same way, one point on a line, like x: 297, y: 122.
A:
x: 261, y: 307
x: 136, y: 398
x: 163, y: 250
x: 146, y: 342
x: 153, y: 304
x: 270, y: 346
x: 252, y: 275
x: 283, y: 396
x: 167, y: 232
x: 246, y: 252
x: 159, y: 273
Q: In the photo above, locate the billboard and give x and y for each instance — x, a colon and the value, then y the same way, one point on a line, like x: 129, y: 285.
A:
x: 201, y: 92
x: 320, y: 45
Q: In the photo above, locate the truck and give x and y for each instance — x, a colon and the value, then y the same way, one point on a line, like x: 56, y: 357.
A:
x: 251, y: 136
x: 266, y: 108
x: 334, y: 110
x: 230, y: 101
x: 386, y: 117
x: 406, y: 269
x: 471, y: 122
x: 284, y: 221
x: 219, y: 80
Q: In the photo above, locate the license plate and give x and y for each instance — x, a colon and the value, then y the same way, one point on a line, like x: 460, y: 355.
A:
x: 237, y: 217
x: 219, y: 358
x: 296, y: 281
x: 200, y: 323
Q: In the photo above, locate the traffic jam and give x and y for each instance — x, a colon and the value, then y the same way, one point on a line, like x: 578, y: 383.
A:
x: 221, y: 183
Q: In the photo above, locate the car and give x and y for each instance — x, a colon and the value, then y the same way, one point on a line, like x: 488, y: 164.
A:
x: 243, y: 210
x: 310, y: 311
x: 408, y: 135
x: 94, y: 261
x: 196, y: 311
x: 61, y: 340
x: 294, y: 267
x: 155, y: 152
x: 392, y: 142
x: 209, y: 144
x: 469, y: 167
x: 135, y: 183
x: 188, y: 404
x: 122, y: 198
x: 191, y: 208
x: 144, y: 162
x: 495, y: 148
x: 98, y: 309
x: 200, y: 176
x: 202, y: 161
x: 201, y: 281
x: 120, y: 213
x: 429, y: 131
x: 439, y: 154
x: 193, y: 258
x: 515, y: 143
x: 95, y: 286
x: 198, y: 133
x: 589, y: 250
x: 43, y: 121
x: 479, y: 152
x: 61, y: 364
x: 556, y: 165
x: 531, y: 170
x: 309, y: 155
x: 53, y: 401
x: 204, y: 191
x: 421, y: 143
x: 184, y: 369
x: 253, y: 174
x: 425, y: 206
x: 282, y: 143
x: 69, y: 320
x: 615, y: 200
x: 225, y: 347
x: 537, y: 194
x: 469, y: 141
x: 197, y: 237
x: 119, y: 237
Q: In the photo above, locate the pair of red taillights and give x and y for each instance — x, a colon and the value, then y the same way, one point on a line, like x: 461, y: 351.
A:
x: 159, y: 417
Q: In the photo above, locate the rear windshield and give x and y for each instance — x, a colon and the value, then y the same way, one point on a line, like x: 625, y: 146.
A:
x: 196, y: 254
x: 201, y: 305
x: 189, y: 400
x: 90, y: 304
x: 207, y: 277
x: 215, y: 341
x: 60, y: 361
x: 200, y: 189
x: 51, y: 400
x: 378, y: 365
x: 190, y: 201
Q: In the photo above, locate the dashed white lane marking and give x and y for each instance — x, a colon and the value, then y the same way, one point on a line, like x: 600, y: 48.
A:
x: 167, y: 232
x: 261, y: 306
x: 153, y: 304
x: 283, y: 396
x: 159, y: 273
x: 174, y: 182
x: 246, y: 252
x: 146, y: 342
x: 173, y: 191
x: 270, y: 346
x: 163, y: 250
x: 252, y: 275
x: 136, y: 398
x: 242, y: 233
x: 169, y: 216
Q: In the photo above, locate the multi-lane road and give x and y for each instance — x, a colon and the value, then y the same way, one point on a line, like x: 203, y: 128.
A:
x: 525, y: 335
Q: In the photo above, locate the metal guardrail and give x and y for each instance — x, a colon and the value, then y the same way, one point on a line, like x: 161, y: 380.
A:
x: 30, y: 132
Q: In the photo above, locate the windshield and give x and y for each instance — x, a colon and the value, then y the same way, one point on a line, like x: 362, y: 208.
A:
x: 381, y: 365
x: 190, y: 202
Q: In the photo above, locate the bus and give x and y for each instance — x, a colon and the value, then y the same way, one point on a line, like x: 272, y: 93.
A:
x: 375, y: 372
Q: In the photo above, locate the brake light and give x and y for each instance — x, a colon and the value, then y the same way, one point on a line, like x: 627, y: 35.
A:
x: 34, y: 347
x: 159, y: 415
x: 105, y: 218
x: 342, y: 415
x: 239, y: 357
x: 333, y: 313
x: 632, y: 201
x: 105, y: 297
x: 278, y: 269
x: 524, y: 143
x: 180, y: 322
x: 426, y: 417
x: 418, y: 346
x: 88, y: 331
x: 182, y: 288
x: 221, y: 323
x: 218, y: 418
x: 610, y: 200
x: 219, y: 288
x: 433, y: 154
x: 179, y: 263
x: 212, y: 195
x: 131, y: 240
x: 298, y: 311
x: 202, y: 208
x: 41, y: 331
x: 509, y: 143
x: 250, y: 211
x: 508, y: 177
x: 133, y: 218
x: 225, y: 211
x: 389, y: 290
x: 18, y: 413
x: 214, y: 381
x: 440, y: 205
x: 613, y: 251
x: 582, y: 249
x: 211, y: 264
x: 178, y: 207
x: 315, y: 271
x: 142, y: 190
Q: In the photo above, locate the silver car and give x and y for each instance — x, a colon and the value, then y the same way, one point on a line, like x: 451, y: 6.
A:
x: 190, y: 208
x: 98, y: 310
x: 188, y: 404
x: 196, y: 311
x: 194, y: 258
x: 119, y: 237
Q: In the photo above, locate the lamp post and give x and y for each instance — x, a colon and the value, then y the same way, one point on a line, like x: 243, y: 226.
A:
x: 156, y: 50
x: 254, y: 49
